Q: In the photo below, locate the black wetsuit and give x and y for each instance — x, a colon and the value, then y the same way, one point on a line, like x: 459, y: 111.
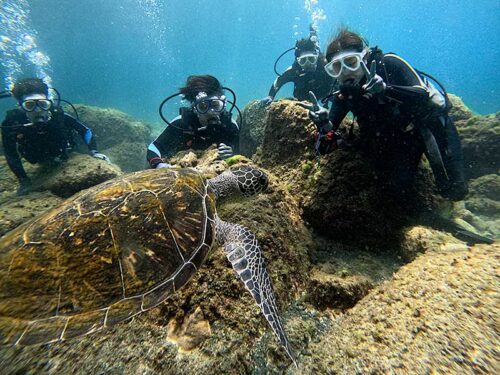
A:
x: 391, y: 126
x: 184, y: 134
x: 41, y: 142
x: 318, y: 81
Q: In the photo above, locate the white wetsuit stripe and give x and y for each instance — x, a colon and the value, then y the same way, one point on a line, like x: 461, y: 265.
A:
x: 152, y: 147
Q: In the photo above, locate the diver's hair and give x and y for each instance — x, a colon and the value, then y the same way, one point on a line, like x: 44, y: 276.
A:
x: 304, y: 45
x: 345, y: 40
x: 197, y: 84
x: 29, y: 86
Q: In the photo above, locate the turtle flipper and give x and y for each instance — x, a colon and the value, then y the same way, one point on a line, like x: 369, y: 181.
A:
x: 244, y: 253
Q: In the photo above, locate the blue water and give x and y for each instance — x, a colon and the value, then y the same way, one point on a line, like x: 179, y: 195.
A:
x: 130, y: 54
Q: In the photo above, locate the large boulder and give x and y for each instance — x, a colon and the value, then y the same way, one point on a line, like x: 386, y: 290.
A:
x: 252, y: 128
x: 341, y: 194
x: 439, y: 314
x: 119, y: 136
x: 478, y: 212
x: 459, y: 111
x: 480, y: 136
x: 77, y: 173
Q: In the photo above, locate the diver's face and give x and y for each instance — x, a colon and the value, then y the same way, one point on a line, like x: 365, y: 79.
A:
x: 308, y: 61
x: 36, y: 107
x: 346, y: 67
x: 208, y: 109
x: 209, y: 119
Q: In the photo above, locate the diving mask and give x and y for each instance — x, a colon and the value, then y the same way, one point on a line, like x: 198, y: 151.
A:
x: 349, y: 60
x: 309, y: 59
x: 205, y: 104
x: 29, y: 105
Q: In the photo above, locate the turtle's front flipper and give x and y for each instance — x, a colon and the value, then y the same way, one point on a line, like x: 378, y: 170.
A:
x: 245, y: 255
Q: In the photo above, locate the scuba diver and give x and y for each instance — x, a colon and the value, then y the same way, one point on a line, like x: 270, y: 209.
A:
x: 39, y: 130
x: 400, y: 114
x: 204, y: 123
x: 307, y: 71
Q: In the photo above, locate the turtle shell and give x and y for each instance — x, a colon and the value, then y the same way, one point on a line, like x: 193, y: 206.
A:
x: 103, y: 256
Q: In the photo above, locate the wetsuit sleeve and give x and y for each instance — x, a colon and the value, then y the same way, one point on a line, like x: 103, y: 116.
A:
x: 404, y: 84
x: 338, y: 112
x: 166, y: 144
x: 81, y: 129
x: 9, y: 141
x: 287, y: 76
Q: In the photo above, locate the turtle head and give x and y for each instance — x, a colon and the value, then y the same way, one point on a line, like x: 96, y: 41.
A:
x: 246, y: 181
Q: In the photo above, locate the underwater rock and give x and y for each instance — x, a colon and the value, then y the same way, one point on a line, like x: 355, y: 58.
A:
x: 480, y: 136
x: 418, y: 239
x: 111, y: 126
x: 191, y: 333
x: 129, y: 156
x: 252, y: 129
x: 18, y: 210
x: 459, y: 111
x: 341, y: 194
x: 77, y: 173
x: 481, y: 207
x: 119, y: 136
x: 438, y: 314
x: 288, y: 136
x: 329, y: 291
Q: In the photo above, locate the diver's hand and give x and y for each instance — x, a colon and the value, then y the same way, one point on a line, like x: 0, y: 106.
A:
x: 100, y: 156
x: 374, y: 83
x: 317, y: 114
x: 267, y: 100
x: 24, y: 186
x: 163, y: 165
x: 225, y: 151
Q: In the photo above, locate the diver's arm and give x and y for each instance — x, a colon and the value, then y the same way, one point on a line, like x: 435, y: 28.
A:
x: 404, y: 84
x: 286, y: 77
x: 10, y: 150
x: 338, y: 111
x: 81, y: 129
x: 328, y: 138
x: 166, y: 144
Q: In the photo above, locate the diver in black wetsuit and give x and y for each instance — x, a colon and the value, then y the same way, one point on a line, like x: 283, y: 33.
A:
x: 307, y: 72
x: 39, y: 131
x: 400, y: 114
x: 204, y: 123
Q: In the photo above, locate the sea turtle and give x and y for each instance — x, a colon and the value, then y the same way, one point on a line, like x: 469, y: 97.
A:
x: 121, y: 248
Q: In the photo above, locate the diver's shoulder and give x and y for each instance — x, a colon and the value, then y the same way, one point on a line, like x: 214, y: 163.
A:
x: 14, y: 116
x: 394, y: 59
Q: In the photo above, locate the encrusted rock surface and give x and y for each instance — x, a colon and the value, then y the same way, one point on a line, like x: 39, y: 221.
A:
x: 363, y: 286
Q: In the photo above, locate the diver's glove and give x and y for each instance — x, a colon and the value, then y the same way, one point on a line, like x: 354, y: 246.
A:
x: 100, y: 156
x: 24, y: 186
x: 225, y: 151
x: 374, y: 85
x: 163, y: 165
x: 267, y: 100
